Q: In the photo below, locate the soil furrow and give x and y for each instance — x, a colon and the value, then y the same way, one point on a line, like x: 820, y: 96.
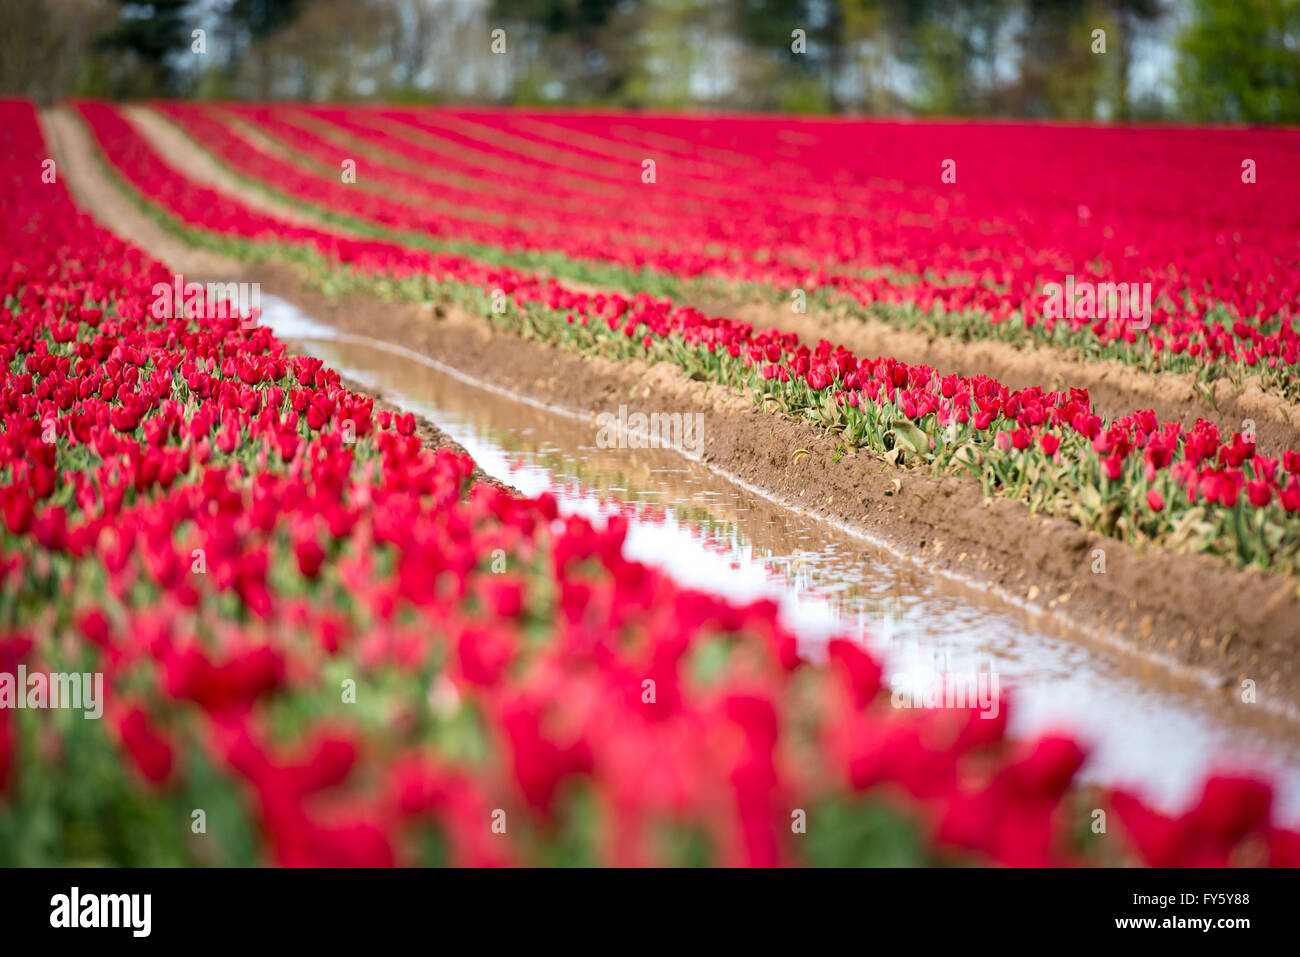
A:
x: 175, y: 146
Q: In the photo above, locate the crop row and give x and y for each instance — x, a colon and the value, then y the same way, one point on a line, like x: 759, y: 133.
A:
x: 314, y: 634
x: 1133, y: 478
x: 972, y: 259
x: 320, y: 647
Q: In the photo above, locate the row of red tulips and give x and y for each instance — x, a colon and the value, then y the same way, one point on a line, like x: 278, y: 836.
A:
x: 320, y: 647
x: 1135, y: 478
x: 974, y: 257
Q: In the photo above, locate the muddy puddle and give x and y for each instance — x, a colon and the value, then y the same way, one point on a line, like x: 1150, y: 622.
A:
x: 1150, y: 730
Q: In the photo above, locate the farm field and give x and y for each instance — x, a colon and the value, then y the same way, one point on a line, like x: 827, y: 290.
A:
x: 980, y: 524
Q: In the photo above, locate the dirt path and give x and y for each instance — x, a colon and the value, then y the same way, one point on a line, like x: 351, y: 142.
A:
x: 251, y: 134
x: 1190, y: 612
x: 79, y: 159
x: 176, y: 148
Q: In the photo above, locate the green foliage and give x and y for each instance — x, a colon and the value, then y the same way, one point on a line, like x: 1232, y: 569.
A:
x: 264, y: 17
x: 152, y: 38
x: 1233, y: 60
x: 861, y: 833
x: 77, y: 802
x: 556, y: 16
x: 1239, y: 61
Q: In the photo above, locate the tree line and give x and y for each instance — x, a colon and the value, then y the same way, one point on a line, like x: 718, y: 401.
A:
x: 1199, y: 60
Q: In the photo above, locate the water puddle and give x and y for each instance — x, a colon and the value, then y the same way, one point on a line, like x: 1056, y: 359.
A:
x: 1148, y: 729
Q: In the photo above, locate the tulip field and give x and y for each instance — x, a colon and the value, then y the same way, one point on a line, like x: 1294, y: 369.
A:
x: 330, y: 642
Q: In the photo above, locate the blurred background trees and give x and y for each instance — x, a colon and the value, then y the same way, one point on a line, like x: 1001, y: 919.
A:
x: 1202, y: 60
x: 1238, y: 60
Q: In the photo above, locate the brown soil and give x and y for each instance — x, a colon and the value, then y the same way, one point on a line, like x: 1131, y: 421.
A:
x: 1186, y: 610
x: 78, y: 157
x: 172, y: 144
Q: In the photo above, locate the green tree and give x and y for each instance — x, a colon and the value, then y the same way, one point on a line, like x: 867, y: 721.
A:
x: 158, y: 34
x: 955, y: 47
x: 777, y: 75
x: 1132, y: 16
x: 1061, y: 73
x: 47, y: 48
x: 577, y: 45
x: 1239, y: 61
x: 869, y: 37
x: 153, y: 33
x: 263, y: 17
